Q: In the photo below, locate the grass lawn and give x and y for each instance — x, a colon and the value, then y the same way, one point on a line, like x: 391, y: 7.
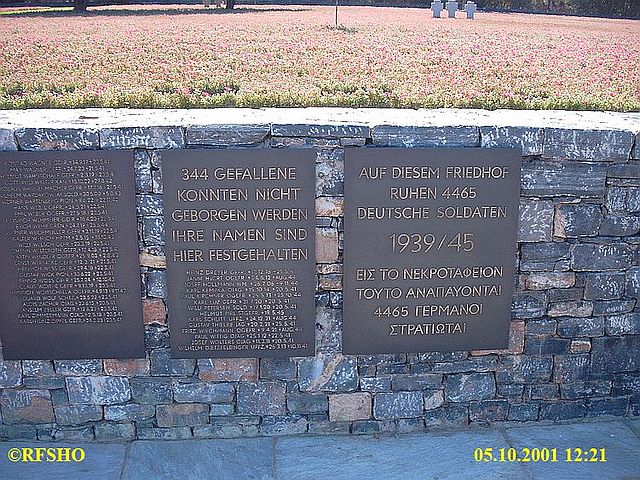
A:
x: 291, y: 56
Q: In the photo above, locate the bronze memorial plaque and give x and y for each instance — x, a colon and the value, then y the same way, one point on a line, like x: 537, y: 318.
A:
x: 430, y: 243
x: 71, y: 283
x: 240, y: 228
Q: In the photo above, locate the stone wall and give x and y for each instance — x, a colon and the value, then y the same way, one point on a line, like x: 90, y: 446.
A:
x: 575, y: 330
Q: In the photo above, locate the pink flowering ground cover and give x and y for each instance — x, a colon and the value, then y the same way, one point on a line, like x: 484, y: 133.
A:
x: 291, y: 56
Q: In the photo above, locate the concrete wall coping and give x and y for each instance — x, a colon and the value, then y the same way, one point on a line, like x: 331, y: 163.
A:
x: 267, y: 117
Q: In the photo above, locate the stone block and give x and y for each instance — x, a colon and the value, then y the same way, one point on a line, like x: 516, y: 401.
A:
x: 547, y: 280
x: 326, y: 245
x: 485, y: 363
x: 615, y: 354
x: 613, y: 307
x: 580, y: 144
x: 524, y: 369
x: 26, y: 406
x: 447, y: 416
x: 182, y: 415
x: 332, y: 281
x: 121, y: 138
x: 152, y: 261
x: 326, y: 373
x: 511, y: 390
x: 176, y: 433
x: 536, y: 221
x: 607, y: 406
x: 307, y: 403
x: 153, y: 230
x: 328, y: 330
x: 115, y: 431
x: 203, y: 392
x: 551, y: 179
x: 535, y: 345
x: 142, y: 167
x: 131, y: 412
x: 375, y: 384
x: 630, y: 170
x: 397, y: 405
x: 633, y: 282
x: 283, y: 425
x: 416, y: 381
x: 10, y: 374
x: 154, y: 311
x: 156, y: 337
x: 367, y: 427
x: 542, y: 326
x: 77, y: 414
x: 319, y: 131
x: 412, y: 136
x: 626, y: 384
x: 581, y: 220
x: 262, y: 398
x: 7, y: 140
x: 78, y: 367
x: 127, y: 368
x: 528, y: 305
x: 221, y: 410
x: 348, y: 407
x: 571, y: 368
x: 604, y: 286
x: 595, y: 257
x: 304, y: 142
x: 277, y: 369
x: 523, y: 412
x: 545, y: 252
x: 580, y: 327
x: 587, y: 388
x: 226, y: 135
x: 157, y: 284
x: 465, y: 387
x: 432, y: 399
x: 57, y: 139
x: 353, y: 142
x: 98, y: 390
x: 163, y: 364
x: 628, y: 324
x: 562, y: 411
x: 38, y: 368
x: 330, y: 206
x: 228, y: 369
x: 330, y: 177
x: 580, y: 346
x: 619, y: 226
x: 157, y: 185
x: 44, y: 382
x: 616, y: 199
x: 528, y: 139
x: 488, y: 411
x: 572, y: 308
x: 18, y: 432
x: 149, y: 204
x: 83, y: 433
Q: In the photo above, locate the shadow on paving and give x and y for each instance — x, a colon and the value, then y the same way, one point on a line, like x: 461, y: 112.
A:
x: 435, y: 454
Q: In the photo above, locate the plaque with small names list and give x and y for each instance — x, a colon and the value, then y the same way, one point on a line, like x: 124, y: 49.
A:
x: 71, y: 282
x: 240, y: 232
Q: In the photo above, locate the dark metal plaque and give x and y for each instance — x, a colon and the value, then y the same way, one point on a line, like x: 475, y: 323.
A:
x: 430, y: 242
x: 71, y: 283
x: 240, y: 227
